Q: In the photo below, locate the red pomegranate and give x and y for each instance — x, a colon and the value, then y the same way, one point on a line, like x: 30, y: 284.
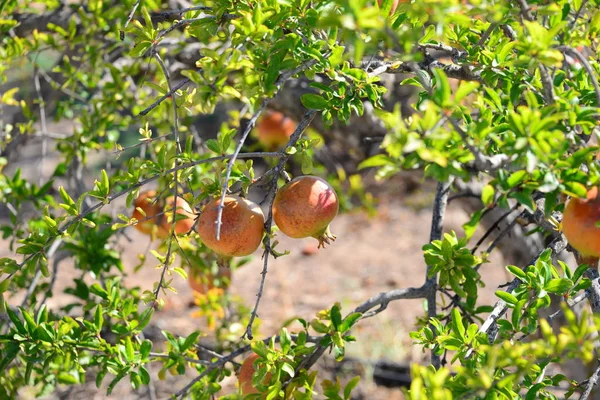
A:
x: 275, y: 129
x: 242, y: 226
x: 150, y: 207
x: 202, y: 281
x: 245, y: 376
x: 305, y: 207
x: 579, y: 224
x: 183, y: 225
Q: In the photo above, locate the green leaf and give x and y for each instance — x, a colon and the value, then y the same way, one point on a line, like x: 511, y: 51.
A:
x: 349, y: 321
x: 105, y: 182
x: 213, y: 145
x: 352, y: 383
x: 145, y: 348
x: 66, y: 378
x: 457, y: 323
x: 314, y: 101
x: 378, y: 160
x: 559, y: 286
x: 507, y: 297
x: 336, y: 317
x: 16, y: 321
x: 307, y: 164
x: 98, y: 318
x: 516, y: 178
x: 145, y: 318
x: 518, y: 272
x: 288, y: 369
x: 190, y: 340
x: 487, y: 195
x: 144, y: 375
x: 465, y: 89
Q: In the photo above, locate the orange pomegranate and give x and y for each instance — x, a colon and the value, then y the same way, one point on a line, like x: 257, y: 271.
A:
x: 202, y: 282
x: 242, y: 225
x: 150, y: 207
x: 579, y: 224
x: 275, y: 129
x: 245, y: 376
x: 182, y: 208
x: 305, y: 207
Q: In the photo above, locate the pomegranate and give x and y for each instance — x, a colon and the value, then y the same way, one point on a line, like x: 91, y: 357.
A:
x: 182, y: 208
x: 579, y: 225
x: 305, y: 207
x: 275, y: 129
x: 242, y: 226
x: 202, y: 281
x: 146, y: 202
x: 245, y: 376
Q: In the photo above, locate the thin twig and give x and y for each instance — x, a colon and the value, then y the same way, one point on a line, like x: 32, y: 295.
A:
x: 590, y: 384
x: 122, y: 31
x: 493, y: 227
x: 175, y: 175
x: 162, y: 98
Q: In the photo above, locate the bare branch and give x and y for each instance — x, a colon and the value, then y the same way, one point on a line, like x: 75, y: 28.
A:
x: 462, y: 72
x: 437, y: 229
x: 162, y: 98
x: 590, y: 385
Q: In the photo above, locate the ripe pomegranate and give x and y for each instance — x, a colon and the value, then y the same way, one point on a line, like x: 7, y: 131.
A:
x: 201, y: 282
x: 242, y: 226
x: 146, y: 202
x: 579, y: 225
x: 183, y: 225
x: 304, y: 207
x: 275, y: 129
x: 245, y: 376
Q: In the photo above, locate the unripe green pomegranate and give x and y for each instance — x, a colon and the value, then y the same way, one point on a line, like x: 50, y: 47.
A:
x: 305, y: 207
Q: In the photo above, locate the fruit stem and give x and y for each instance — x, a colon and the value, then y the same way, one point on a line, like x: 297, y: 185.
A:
x: 224, y: 261
x: 325, y: 237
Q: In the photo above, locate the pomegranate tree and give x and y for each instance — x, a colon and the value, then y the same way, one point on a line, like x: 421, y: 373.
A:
x: 242, y: 226
x: 305, y: 207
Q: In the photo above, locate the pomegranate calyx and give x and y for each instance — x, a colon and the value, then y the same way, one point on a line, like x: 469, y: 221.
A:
x: 325, y: 237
